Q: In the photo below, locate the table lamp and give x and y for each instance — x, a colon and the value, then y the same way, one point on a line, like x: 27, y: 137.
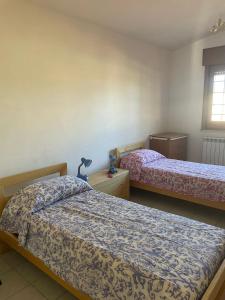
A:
x: 86, y: 163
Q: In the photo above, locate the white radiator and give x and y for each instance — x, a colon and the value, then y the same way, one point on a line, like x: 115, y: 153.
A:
x: 213, y: 151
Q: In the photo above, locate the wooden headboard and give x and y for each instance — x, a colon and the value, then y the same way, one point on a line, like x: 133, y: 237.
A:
x: 119, y: 152
x: 21, y: 179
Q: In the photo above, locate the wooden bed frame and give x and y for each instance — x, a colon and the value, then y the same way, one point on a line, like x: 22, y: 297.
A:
x: 119, y: 152
x: 8, y: 240
x: 215, y: 291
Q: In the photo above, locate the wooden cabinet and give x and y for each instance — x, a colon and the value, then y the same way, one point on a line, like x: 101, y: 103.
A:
x: 172, y: 145
x: 117, y: 186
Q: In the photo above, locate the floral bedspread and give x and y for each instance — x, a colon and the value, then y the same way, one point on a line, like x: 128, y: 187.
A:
x: 202, y: 181
x: 114, y: 249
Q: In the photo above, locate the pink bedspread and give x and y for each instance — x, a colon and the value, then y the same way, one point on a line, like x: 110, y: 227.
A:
x: 198, y: 180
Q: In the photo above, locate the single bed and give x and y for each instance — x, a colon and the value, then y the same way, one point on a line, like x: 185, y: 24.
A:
x: 195, y: 182
x: 102, y: 247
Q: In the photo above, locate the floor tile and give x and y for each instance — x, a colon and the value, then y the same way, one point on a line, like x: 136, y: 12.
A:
x: 48, y: 287
x: 29, y: 272
x: 12, y: 283
x: 28, y: 293
x: 4, y: 267
x: 67, y: 296
x: 12, y: 258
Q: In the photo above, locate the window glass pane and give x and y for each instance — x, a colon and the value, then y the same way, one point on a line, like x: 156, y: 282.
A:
x: 218, y: 87
x: 218, y: 101
x: 216, y: 118
x: 218, y: 98
x: 219, y: 77
x: 218, y: 109
x: 214, y: 101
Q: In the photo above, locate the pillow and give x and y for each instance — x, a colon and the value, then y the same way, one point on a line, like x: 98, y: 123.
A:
x: 135, y: 160
x: 38, y: 196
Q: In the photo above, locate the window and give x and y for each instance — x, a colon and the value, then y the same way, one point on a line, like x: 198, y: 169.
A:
x: 218, y: 96
x: 214, y: 95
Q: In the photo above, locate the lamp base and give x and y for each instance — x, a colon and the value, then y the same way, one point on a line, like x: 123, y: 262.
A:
x: 83, y: 177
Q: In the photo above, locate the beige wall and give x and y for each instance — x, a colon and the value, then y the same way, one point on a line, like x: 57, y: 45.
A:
x: 186, y: 93
x: 70, y: 89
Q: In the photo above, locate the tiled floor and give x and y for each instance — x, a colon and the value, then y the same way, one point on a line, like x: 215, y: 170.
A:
x: 23, y: 281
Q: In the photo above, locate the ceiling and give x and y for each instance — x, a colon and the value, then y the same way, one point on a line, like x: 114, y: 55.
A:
x: 167, y: 23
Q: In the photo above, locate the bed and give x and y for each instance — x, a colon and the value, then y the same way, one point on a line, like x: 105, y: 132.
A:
x: 199, y: 183
x: 101, y: 247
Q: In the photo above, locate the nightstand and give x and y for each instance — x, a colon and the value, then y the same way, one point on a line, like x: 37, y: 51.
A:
x: 117, y: 186
x: 172, y: 145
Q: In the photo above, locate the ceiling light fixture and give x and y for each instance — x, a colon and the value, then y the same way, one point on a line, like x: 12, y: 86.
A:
x: 219, y: 26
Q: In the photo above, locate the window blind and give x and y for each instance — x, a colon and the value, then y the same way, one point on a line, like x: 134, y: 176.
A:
x: 213, y: 56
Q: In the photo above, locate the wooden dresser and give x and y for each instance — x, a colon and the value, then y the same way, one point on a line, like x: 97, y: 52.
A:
x: 172, y: 145
x: 117, y: 186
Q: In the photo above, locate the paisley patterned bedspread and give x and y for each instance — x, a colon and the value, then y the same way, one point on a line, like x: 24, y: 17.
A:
x: 198, y: 180
x: 114, y: 249
x: 202, y: 181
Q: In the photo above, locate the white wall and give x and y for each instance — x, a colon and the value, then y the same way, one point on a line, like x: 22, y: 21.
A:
x: 70, y: 89
x: 186, y: 93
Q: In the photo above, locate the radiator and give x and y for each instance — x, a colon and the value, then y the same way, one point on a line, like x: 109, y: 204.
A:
x: 213, y: 150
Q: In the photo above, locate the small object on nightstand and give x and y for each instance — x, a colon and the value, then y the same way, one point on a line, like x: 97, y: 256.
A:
x: 118, y: 185
x: 172, y: 145
x: 112, y: 166
x: 86, y: 163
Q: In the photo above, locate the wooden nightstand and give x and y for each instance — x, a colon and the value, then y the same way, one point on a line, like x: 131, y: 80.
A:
x: 117, y: 186
x: 172, y: 145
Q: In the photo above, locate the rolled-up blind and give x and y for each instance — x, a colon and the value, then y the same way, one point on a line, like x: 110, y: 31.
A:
x: 213, y: 56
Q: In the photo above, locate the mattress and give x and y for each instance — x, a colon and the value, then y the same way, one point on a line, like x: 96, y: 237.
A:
x: 112, y: 249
